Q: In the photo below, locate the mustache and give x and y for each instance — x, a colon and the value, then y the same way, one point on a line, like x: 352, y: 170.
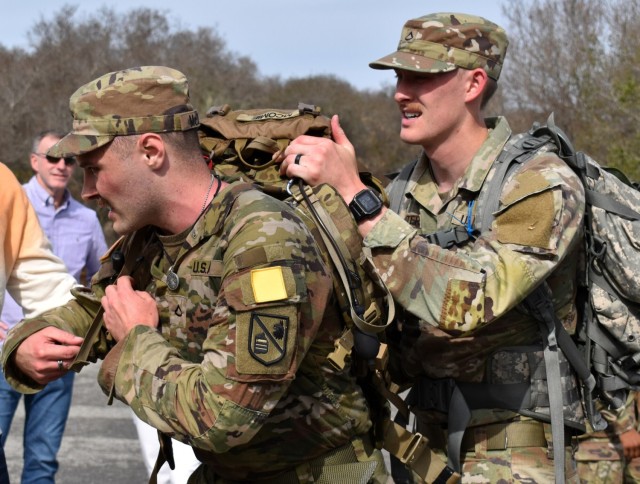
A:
x: 410, y: 107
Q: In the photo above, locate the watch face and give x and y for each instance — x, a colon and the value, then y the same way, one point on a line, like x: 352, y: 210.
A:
x: 368, y: 201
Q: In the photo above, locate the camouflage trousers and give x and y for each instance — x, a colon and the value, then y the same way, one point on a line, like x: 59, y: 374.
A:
x: 487, y: 459
x: 601, y: 462
x: 521, y: 464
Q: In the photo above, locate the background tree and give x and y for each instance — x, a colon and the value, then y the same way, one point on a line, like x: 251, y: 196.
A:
x: 578, y: 59
x: 67, y: 51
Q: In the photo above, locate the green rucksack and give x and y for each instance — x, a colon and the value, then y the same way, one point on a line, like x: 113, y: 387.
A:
x: 242, y: 143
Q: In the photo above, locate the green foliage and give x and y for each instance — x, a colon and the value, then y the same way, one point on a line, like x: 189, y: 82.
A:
x: 577, y: 58
x: 67, y: 51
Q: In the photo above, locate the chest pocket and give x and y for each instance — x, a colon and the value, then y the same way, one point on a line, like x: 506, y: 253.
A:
x: 187, y: 314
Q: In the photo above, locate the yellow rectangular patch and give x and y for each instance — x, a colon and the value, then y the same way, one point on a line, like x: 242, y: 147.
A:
x: 268, y: 284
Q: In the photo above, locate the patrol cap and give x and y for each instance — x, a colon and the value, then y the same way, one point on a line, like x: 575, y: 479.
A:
x: 147, y: 99
x: 442, y: 42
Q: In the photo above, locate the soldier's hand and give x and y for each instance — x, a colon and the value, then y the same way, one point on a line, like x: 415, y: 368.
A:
x: 631, y: 444
x: 125, y: 308
x: 46, y: 355
x: 321, y: 160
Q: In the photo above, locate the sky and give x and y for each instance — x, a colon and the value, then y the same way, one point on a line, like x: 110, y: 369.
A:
x: 288, y: 38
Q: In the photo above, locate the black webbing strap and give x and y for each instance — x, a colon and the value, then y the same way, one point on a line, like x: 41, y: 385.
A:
x: 123, y: 265
x: 457, y: 399
x: 165, y: 454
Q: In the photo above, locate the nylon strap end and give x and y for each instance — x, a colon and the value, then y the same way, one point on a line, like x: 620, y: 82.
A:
x: 342, y: 350
x: 78, y: 365
x: 413, y: 450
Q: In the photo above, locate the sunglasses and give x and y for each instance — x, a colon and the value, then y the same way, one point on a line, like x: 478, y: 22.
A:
x: 69, y: 160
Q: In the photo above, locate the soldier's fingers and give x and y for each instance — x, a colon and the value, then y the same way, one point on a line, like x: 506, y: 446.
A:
x: 125, y: 282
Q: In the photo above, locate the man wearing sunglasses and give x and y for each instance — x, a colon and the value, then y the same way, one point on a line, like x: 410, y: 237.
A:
x: 52, y: 174
x: 77, y: 238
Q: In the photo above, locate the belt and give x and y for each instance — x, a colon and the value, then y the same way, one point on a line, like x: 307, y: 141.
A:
x: 498, y: 436
x: 339, y: 465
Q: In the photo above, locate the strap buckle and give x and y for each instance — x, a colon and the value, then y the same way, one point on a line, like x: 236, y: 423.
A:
x: 343, y: 346
x: 418, y: 443
x: 448, y: 238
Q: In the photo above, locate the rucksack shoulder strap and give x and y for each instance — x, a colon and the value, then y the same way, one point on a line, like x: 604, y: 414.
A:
x: 516, y: 152
x: 398, y: 187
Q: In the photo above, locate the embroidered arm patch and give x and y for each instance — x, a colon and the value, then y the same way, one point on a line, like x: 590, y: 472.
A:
x: 266, y: 340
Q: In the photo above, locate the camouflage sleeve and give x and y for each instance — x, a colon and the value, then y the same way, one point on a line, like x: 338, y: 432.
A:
x: 272, y: 296
x: 538, y: 222
x: 74, y: 317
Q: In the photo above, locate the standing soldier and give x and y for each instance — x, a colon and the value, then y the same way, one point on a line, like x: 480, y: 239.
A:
x: 474, y: 357
x: 219, y: 322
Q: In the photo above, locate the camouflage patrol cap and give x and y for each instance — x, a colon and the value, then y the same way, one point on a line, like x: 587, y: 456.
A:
x: 442, y: 42
x: 147, y: 99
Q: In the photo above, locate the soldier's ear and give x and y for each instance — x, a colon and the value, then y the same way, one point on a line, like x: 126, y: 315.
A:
x: 476, y: 81
x: 150, y: 147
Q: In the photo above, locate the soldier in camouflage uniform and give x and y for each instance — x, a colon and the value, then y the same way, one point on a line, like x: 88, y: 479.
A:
x: 217, y: 330
x: 612, y: 455
x: 473, y: 356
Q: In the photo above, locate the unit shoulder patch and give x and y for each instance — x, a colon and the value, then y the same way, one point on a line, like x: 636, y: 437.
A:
x: 268, y: 335
x: 266, y: 340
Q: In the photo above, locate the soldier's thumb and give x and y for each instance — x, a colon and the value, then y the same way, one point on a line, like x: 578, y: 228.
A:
x: 339, y: 135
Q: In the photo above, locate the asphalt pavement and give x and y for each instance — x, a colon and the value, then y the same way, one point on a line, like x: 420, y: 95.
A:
x: 99, y: 445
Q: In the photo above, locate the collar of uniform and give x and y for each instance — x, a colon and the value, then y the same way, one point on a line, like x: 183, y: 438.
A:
x: 422, y: 186
x: 499, y: 134
x: 212, y: 220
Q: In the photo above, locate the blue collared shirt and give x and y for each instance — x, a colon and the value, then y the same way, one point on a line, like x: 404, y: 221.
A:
x: 75, y: 234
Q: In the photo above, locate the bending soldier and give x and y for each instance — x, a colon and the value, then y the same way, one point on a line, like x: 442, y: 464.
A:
x: 218, y: 325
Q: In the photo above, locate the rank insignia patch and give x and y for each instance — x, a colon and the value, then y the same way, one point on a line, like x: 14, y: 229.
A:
x: 268, y: 284
x: 268, y: 337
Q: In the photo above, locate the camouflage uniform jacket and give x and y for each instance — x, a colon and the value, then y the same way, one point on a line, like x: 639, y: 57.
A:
x: 237, y: 367
x: 463, y: 300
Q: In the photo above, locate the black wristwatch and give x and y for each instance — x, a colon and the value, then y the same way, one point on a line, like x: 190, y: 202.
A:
x: 365, y: 204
